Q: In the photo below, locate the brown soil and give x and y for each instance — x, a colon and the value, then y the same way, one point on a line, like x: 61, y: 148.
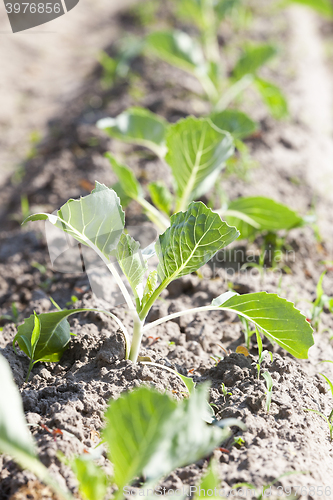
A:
x: 72, y: 394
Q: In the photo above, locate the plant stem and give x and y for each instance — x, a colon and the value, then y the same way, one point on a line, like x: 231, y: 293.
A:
x: 239, y: 215
x: 137, y: 337
x: 195, y: 310
x: 152, y: 299
x: 233, y: 92
x: 208, y: 86
x: 31, y: 364
x: 120, y: 283
x: 180, y: 313
x: 154, y: 215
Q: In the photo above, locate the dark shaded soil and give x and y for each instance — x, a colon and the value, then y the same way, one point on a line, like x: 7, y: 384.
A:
x: 72, y: 395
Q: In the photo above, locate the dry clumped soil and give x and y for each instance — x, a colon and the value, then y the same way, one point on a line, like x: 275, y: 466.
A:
x: 72, y: 395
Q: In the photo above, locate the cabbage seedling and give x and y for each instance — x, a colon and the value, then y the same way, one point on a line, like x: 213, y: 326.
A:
x: 238, y: 442
x: 146, y: 432
x: 196, y: 151
x: 13, y: 316
x: 193, y: 238
x: 201, y: 58
x: 33, y: 342
x: 45, y: 337
x: 149, y: 434
x: 225, y: 391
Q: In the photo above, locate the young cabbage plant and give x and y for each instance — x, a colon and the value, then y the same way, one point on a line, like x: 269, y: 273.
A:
x: 141, y: 127
x: 119, y: 67
x: 207, y: 16
x: 201, y: 58
x: 196, y: 151
x: 149, y: 434
x: 193, y: 238
x: 145, y: 433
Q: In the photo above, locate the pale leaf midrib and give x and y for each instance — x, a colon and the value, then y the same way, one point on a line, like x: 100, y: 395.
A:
x: 191, y: 183
x: 184, y: 264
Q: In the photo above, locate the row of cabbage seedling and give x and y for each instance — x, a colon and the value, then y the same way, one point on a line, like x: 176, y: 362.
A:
x: 196, y: 151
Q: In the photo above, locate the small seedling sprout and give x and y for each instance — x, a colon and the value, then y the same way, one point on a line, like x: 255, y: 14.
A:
x: 261, y: 354
x: 73, y: 300
x: 34, y: 341
x: 40, y: 267
x: 238, y: 441
x: 225, y: 391
x: 14, y: 314
x: 248, y: 331
x: 269, y: 385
